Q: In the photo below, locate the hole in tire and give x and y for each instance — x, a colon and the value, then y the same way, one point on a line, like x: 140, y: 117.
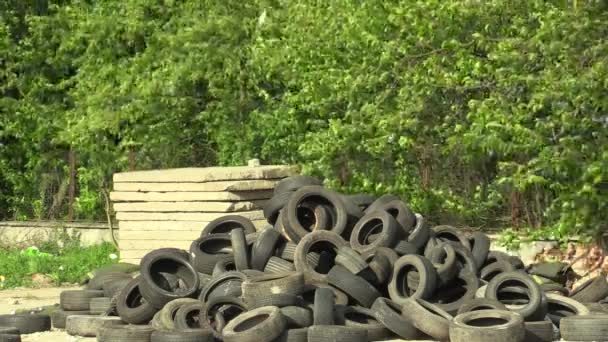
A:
x: 359, y: 317
x: 407, y: 281
x: 226, y: 227
x: 306, y: 217
x: 327, y: 256
x: 487, y: 322
x: 215, y: 246
x: 369, y: 229
x: 250, y: 322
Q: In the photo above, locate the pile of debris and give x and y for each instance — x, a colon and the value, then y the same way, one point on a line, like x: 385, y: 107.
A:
x: 331, y: 267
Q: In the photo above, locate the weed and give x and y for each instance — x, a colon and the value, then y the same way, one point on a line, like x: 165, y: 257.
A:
x: 66, y: 264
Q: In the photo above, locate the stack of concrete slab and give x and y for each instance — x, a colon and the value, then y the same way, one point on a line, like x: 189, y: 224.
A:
x: 170, y: 208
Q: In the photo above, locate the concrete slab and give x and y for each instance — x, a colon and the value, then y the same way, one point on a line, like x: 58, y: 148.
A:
x: 217, y: 196
x: 174, y: 225
x: 173, y: 207
x: 208, y: 174
x: 129, y: 216
x: 235, y: 185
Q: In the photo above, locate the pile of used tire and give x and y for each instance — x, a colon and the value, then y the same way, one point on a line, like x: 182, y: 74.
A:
x: 332, y: 267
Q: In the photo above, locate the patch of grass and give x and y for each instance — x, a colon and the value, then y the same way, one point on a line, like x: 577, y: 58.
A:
x: 66, y: 263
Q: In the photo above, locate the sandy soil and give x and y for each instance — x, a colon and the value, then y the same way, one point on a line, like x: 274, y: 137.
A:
x: 11, y: 300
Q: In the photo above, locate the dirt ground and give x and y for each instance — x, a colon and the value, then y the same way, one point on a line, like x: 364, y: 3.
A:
x: 11, y: 300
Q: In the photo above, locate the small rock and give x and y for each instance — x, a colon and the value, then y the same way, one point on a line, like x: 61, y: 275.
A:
x: 13, y: 302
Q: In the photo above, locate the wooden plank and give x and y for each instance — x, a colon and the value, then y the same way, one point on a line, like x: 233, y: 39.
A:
x: 129, y: 216
x: 226, y: 207
x: 217, y: 196
x: 197, y: 226
x: 208, y: 174
x: 236, y: 186
x: 153, y: 244
x: 144, y: 235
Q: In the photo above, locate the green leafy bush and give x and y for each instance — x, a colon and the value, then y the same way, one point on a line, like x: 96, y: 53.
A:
x: 488, y: 113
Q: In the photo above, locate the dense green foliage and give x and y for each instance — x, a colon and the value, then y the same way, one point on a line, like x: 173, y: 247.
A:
x: 485, y: 112
x: 69, y: 264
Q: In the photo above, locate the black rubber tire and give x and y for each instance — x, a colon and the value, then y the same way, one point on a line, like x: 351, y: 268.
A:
x: 363, y: 201
x: 9, y: 331
x: 428, y: 318
x: 354, y: 286
x: 480, y: 247
x: 539, y: 331
x: 340, y: 298
x: 294, y: 183
x: 380, y: 271
x: 398, y: 286
x: 591, y: 291
x: 401, y: 212
x: 585, y: 328
x: 447, y: 297
x: 259, y: 325
x: 335, y: 333
x: 219, y: 307
x: 323, y: 312
x: 297, y: 317
x: 465, y: 259
x: 492, y: 270
x: 350, y: 259
x: 389, y: 253
x: 166, y: 316
x: 77, y: 300
x: 533, y: 291
x: 493, y: 325
x: 274, y: 206
x: 476, y: 304
x: 264, y: 248
x: 99, y: 305
x: 390, y: 314
x: 319, y: 195
x: 444, y: 260
x: 448, y: 233
x: 278, y: 265
x: 554, y: 287
x: 240, y: 249
x: 188, y: 315
x: 113, y: 287
x: 223, y: 265
x: 97, y: 282
x: 59, y: 317
x: 125, y: 333
x: 27, y: 323
x: 286, y: 251
x: 421, y: 232
x: 378, y: 223
x: 494, y: 256
x: 227, y: 284
x: 10, y: 338
x: 206, y: 251
x: 363, y: 318
x: 184, y: 335
x: 560, y: 307
x: 405, y: 248
x: 293, y: 335
x: 88, y: 325
x: 225, y: 224
x: 291, y: 283
x: 517, y: 262
x: 327, y: 241
x: 131, y: 306
x: 156, y: 292
x: 279, y: 300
